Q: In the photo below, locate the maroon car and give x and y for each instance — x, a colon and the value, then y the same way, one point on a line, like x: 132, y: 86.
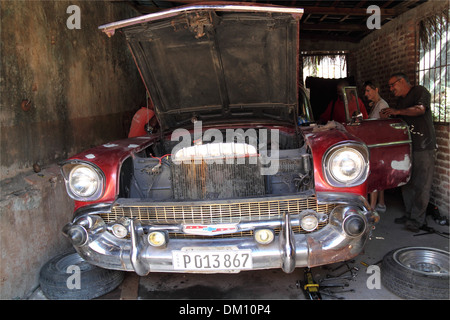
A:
x: 238, y: 176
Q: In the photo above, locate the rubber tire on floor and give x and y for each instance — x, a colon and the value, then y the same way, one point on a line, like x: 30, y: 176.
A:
x: 411, y: 284
x: 94, y: 281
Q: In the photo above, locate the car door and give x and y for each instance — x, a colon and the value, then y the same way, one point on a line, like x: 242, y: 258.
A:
x: 389, y: 144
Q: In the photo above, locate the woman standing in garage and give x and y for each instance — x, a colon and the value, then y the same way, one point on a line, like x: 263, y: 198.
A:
x: 377, y: 103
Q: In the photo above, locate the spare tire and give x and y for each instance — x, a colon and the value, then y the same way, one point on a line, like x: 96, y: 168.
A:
x: 416, y: 273
x: 69, y: 277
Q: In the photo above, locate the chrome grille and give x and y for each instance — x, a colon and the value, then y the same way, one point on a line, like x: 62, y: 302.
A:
x: 209, y: 213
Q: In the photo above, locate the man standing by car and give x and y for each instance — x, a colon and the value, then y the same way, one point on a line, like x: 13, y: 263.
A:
x: 413, y: 106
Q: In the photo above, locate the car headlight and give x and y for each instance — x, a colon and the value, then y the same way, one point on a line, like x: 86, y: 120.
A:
x: 84, y: 182
x: 346, y: 165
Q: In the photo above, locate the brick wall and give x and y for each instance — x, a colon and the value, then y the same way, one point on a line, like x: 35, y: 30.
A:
x: 379, y: 57
x: 440, y: 193
x: 394, y: 48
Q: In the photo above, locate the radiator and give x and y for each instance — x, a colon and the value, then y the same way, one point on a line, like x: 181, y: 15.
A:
x: 201, y: 180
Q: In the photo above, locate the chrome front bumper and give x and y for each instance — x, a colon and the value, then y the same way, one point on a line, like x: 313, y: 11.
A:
x: 330, y: 244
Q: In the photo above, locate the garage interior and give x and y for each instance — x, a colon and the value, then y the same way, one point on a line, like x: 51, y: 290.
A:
x: 65, y: 89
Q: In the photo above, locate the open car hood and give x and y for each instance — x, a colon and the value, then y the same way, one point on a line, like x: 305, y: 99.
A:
x: 219, y: 63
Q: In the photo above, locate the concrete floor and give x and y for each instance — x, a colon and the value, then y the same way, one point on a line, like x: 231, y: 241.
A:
x: 275, y: 284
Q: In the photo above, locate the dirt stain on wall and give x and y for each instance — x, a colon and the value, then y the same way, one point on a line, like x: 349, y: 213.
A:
x: 80, y: 85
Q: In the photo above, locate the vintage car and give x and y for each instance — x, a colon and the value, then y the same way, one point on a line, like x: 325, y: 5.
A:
x: 238, y: 176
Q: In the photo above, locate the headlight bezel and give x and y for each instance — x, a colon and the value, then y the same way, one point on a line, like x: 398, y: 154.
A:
x: 360, y: 150
x: 68, y: 169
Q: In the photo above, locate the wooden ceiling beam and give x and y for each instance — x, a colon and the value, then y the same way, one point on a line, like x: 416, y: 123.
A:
x: 332, y: 27
x: 324, y: 37
x: 347, y: 11
x: 386, y: 4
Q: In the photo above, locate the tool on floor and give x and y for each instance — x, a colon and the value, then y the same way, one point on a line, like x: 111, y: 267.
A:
x: 309, y: 286
x: 332, y: 294
x: 313, y: 289
x: 341, y: 277
x: 430, y: 230
x: 339, y: 266
x: 352, y: 270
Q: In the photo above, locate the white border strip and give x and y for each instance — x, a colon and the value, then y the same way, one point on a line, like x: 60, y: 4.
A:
x: 111, y: 27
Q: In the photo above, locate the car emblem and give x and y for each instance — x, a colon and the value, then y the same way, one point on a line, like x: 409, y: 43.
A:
x: 209, y: 230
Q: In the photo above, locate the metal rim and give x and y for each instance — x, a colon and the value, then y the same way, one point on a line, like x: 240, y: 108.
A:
x: 427, y: 261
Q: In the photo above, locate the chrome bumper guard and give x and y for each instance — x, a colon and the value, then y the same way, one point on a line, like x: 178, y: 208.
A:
x: 343, y: 238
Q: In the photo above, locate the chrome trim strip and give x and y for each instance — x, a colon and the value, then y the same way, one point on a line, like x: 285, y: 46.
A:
x: 274, y: 223
x: 139, y: 266
x: 340, y: 198
x: 387, y: 144
x: 287, y: 244
x: 399, y: 126
x: 110, y: 28
x: 93, y: 209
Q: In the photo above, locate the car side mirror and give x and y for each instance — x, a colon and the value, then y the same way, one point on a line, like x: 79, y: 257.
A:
x: 351, y: 103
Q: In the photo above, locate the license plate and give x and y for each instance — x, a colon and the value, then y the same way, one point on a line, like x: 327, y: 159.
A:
x: 212, y: 260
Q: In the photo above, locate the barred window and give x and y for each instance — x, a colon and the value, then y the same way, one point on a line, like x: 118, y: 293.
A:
x: 434, y: 64
x: 330, y: 65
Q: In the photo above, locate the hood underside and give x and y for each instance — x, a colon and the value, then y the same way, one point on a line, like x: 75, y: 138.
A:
x: 217, y: 63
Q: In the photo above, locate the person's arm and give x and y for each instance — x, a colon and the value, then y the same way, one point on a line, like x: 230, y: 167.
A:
x: 413, y: 111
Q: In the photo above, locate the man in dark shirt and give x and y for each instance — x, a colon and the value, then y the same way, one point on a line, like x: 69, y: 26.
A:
x: 413, y: 106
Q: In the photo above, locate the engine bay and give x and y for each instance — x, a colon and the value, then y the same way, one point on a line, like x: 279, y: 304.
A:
x: 256, y: 163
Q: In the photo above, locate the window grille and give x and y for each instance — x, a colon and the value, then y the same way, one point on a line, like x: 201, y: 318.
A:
x: 434, y: 64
